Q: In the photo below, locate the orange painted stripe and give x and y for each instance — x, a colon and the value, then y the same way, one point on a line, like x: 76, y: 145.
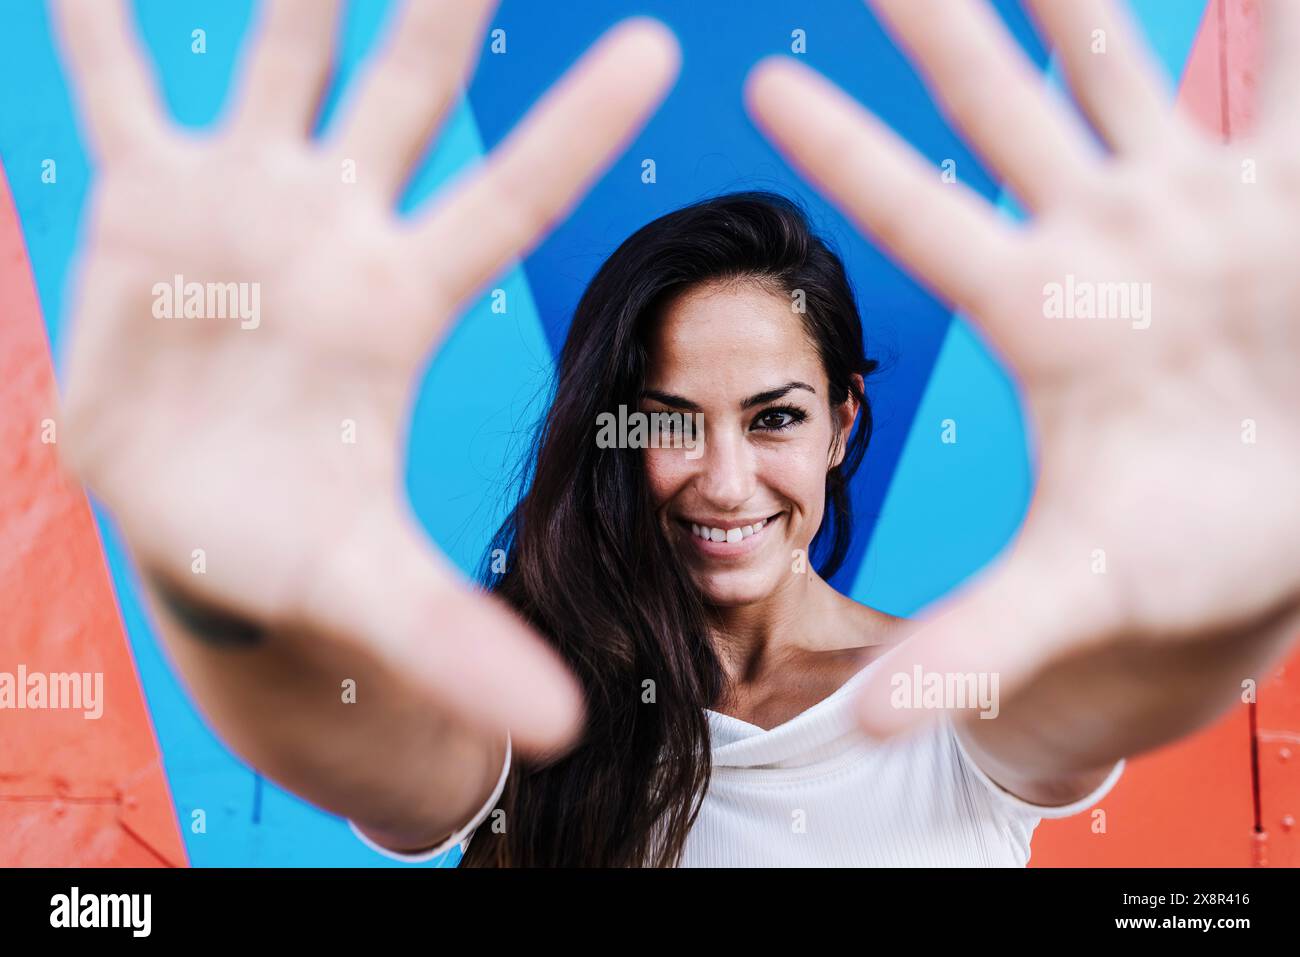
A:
x: 73, y: 791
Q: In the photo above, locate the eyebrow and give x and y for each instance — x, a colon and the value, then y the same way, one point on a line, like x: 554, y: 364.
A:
x: 758, y: 398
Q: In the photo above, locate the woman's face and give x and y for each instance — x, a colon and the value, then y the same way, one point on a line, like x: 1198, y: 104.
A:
x: 742, y: 510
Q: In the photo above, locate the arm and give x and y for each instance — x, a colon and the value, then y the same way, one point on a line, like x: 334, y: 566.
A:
x: 385, y: 757
x: 1156, y: 567
x: 1058, y: 740
x: 260, y: 460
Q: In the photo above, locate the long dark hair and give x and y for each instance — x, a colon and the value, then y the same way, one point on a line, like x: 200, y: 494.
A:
x: 588, y: 566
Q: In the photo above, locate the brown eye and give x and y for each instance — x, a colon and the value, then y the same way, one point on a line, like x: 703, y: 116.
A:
x: 778, y: 419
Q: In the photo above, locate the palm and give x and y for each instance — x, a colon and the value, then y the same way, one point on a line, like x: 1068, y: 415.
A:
x: 256, y: 458
x: 1149, y: 427
x: 1155, y: 516
x: 294, y: 422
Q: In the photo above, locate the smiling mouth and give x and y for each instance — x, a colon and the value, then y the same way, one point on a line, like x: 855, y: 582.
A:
x: 732, y: 539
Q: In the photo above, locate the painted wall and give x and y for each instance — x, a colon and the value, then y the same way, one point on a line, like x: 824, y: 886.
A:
x: 930, y: 514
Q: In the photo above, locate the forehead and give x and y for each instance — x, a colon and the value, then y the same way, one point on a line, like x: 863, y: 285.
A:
x: 733, y: 333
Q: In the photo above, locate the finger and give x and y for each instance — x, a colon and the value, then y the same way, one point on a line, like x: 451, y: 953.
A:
x: 118, y: 97
x: 407, y: 92
x: 985, y: 645
x: 289, y: 68
x: 531, y: 179
x: 388, y: 587
x: 1281, y: 80
x: 992, y: 92
x: 1109, y: 68
x: 945, y: 234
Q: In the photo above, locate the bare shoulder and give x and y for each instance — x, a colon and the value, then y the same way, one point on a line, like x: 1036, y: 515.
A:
x: 862, y: 634
x: 875, y: 627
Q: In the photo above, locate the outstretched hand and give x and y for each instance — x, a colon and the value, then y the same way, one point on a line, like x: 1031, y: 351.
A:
x: 1149, y: 307
x: 256, y: 433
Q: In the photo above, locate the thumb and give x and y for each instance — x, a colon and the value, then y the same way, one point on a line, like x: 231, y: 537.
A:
x: 388, y: 587
x: 982, y: 646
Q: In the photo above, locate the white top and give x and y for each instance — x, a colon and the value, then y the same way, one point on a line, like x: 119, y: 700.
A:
x: 815, y: 791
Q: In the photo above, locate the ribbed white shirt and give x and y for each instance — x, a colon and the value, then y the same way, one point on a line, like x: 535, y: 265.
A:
x: 816, y: 792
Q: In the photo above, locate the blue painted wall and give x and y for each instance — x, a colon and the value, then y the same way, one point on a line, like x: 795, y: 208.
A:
x: 929, y: 514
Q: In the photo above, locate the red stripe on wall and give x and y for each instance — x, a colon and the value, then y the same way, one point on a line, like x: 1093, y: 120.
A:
x: 73, y: 790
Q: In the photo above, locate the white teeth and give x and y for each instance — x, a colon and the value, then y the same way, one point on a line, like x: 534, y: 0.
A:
x: 729, y: 535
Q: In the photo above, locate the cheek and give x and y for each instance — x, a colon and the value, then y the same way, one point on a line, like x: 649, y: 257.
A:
x: 796, y: 470
x: 667, y: 470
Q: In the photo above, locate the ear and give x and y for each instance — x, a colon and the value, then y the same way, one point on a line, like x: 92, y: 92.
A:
x: 845, y: 414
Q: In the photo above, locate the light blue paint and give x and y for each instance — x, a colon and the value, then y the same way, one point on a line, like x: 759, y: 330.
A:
x: 1170, y: 28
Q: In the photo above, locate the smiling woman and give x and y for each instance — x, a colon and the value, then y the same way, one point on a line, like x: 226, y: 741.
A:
x: 688, y: 592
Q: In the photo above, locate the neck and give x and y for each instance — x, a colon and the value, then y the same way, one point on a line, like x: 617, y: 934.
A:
x: 749, y: 639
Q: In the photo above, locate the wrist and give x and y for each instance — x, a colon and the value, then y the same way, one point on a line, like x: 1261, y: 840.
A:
x: 203, y: 620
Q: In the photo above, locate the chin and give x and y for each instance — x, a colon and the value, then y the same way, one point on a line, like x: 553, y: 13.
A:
x: 734, y: 591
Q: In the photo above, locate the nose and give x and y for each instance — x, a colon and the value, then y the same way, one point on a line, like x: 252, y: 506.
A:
x: 726, y: 479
